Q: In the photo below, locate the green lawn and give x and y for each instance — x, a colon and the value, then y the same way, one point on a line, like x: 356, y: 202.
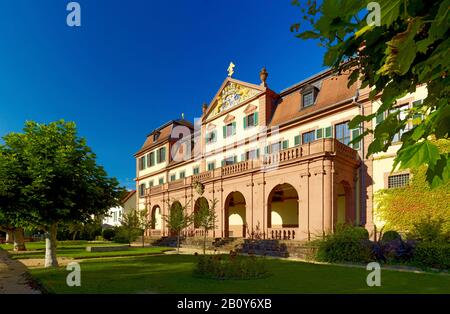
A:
x: 173, y: 274
x: 77, y: 250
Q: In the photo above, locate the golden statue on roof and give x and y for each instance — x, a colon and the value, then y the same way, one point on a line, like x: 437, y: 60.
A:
x: 231, y: 69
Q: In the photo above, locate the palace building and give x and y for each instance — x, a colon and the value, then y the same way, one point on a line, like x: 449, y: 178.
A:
x: 278, y: 163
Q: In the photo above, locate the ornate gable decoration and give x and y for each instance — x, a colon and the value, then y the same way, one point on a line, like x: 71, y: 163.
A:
x: 231, y: 95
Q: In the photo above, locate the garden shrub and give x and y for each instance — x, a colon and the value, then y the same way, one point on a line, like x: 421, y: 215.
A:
x: 432, y: 254
x: 123, y: 235
x: 428, y: 230
x: 108, y: 234
x: 230, y: 267
x: 390, y: 235
x: 346, y: 244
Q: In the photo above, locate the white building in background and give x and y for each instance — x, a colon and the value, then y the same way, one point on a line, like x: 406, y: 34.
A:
x: 115, y: 214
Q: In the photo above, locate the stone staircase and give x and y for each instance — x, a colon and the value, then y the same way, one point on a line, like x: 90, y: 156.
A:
x: 278, y: 248
x: 167, y: 241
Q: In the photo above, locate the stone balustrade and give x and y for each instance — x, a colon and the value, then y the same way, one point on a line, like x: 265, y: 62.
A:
x: 321, y: 146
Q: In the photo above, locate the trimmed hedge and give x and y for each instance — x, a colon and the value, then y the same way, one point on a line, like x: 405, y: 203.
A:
x: 347, y: 244
x: 432, y: 254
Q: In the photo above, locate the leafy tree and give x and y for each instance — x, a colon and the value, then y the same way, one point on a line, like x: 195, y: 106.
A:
x: 408, y: 48
x: 144, y: 223
x: 177, y: 220
x: 206, y: 217
x: 53, y: 178
x: 130, y: 224
x: 404, y: 208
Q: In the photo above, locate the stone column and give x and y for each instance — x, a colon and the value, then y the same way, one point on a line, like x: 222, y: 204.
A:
x: 328, y: 199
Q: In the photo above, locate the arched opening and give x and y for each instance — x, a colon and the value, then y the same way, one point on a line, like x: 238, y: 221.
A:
x: 200, y: 203
x: 156, y: 218
x: 235, y: 215
x: 283, y: 207
x: 344, y: 201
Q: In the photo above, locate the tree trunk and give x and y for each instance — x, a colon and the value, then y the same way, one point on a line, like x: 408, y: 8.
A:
x: 178, y: 242
x: 19, y: 243
x: 9, y: 236
x: 204, y: 243
x: 50, y: 247
x: 143, y: 238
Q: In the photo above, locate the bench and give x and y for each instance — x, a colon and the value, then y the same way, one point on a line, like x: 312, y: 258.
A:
x: 107, y: 248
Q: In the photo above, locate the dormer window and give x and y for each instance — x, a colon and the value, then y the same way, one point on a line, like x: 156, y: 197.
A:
x: 308, y: 99
x: 309, y: 94
x: 155, y: 136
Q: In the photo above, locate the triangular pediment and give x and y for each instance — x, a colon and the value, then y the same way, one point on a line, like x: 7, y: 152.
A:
x: 231, y: 94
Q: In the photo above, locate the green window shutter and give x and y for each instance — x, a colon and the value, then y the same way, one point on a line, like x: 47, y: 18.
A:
x: 297, y: 140
x: 163, y: 154
x: 266, y: 149
x: 285, y: 144
x: 223, y: 163
x: 234, y: 127
x: 255, y: 118
x: 224, y: 131
x: 235, y: 159
x: 242, y: 157
x: 328, y: 132
x: 152, y: 158
x: 319, y: 133
x: 257, y: 153
x: 355, y: 134
x: 379, y: 118
x: 245, y: 122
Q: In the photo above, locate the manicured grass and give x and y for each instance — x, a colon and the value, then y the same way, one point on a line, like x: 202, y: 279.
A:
x: 173, y: 274
x: 77, y: 250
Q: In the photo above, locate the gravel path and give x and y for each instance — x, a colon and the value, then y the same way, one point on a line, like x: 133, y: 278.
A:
x: 12, y: 279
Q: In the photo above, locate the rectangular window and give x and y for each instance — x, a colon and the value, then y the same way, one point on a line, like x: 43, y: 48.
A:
x: 182, y: 174
x: 296, y: 140
x: 319, y: 133
x: 161, y: 181
x: 196, y: 170
x: 173, y: 177
x: 402, y: 113
x: 229, y: 161
x: 151, y: 159
x: 251, y: 120
x: 211, y: 165
x: 308, y: 137
x: 398, y: 180
x: 142, y: 163
x: 229, y: 129
x: 285, y: 144
x: 211, y: 137
x: 328, y: 132
x: 275, y: 147
x: 150, y: 184
x: 142, y: 190
x: 308, y: 99
x: 355, y: 134
x: 251, y: 154
x: 161, y: 155
x: 342, y: 133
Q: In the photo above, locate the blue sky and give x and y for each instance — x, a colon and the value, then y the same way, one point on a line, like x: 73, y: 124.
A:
x: 135, y: 64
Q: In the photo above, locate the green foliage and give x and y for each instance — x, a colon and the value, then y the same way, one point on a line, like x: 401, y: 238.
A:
x: 48, y: 175
x: 346, y: 244
x: 125, y: 234
x: 205, y: 217
x: 408, y: 49
x: 401, y: 208
x: 432, y: 254
x: 230, y: 267
x: 429, y: 230
x: 108, y: 234
x: 177, y: 219
x: 390, y: 236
